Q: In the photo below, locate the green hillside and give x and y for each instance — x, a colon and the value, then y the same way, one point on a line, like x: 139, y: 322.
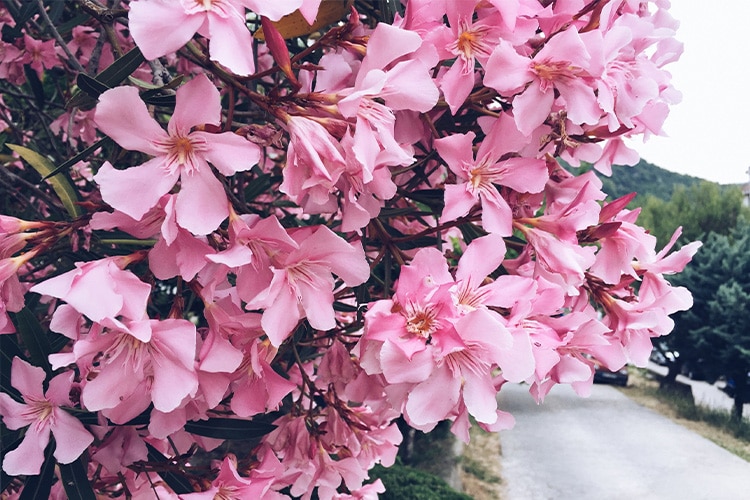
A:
x: 645, y: 179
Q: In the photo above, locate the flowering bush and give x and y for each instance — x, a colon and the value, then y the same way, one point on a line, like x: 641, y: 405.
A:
x: 291, y: 223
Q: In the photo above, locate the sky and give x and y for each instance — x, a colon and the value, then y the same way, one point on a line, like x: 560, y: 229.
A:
x: 709, y: 131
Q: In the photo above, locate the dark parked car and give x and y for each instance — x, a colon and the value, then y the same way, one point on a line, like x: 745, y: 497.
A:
x: 604, y: 376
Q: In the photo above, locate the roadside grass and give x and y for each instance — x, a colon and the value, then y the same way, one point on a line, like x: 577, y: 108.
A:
x: 480, y: 471
x: 715, y: 425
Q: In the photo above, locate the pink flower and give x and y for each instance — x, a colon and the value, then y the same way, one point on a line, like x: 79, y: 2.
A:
x: 160, y: 27
x: 477, y: 179
x: 180, y: 152
x: 100, y: 290
x: 126, y: 373
x: 559, y: 66
x: 42, y: 413
x: 39, y: 55
x: 229, y: 484
x: 303, y: 283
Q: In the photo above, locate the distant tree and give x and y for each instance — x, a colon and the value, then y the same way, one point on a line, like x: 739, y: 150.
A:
x: 700, y: 209
x: 716, y: 331
x: 702, y: 279
x: 725, y: 339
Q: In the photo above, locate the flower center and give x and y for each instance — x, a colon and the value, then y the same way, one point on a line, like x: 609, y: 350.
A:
x: 205, y: 4
x: 421, y: 321
x: 183, y: 152
x: 39, y: 409
x: 552, y: 71
x: 471, y: 43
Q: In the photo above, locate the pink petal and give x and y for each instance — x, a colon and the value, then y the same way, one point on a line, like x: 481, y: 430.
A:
x: 160, y: 28
x: 198, y: 103
x: 71, y: 438
x: 149, y: 180
x: 525, y: 175
x: 517, y: 363
x: 27, y: 379
x: 281, y: 317
x: 458, y: 202
x: 456, y: 84
x: 386, y: 44
x: 497, y: 217
x: 28, y: 458
x: 218, y: 355
x: 110, y: 387
x: 434, y: 399
x: 318, y: 305
x: 456, y: 150
x: 398, y: 368
x: 480, y: 396
x: 481, y: 257
x: 532, y: 107
x: 422, y: 92
x: 277, y: 9
x: 123, y: 116
x: 229, y: 152
x: 14, y: 413
x: 309, y: 10
x: 507, y: 70
x: 231, y: 44
x: 202, y: 204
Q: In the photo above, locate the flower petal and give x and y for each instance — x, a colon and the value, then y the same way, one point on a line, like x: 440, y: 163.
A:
x: 229, y: 152
x: 160, y: 28
x: 201, y: 204
x: 135, y: 190
x: 123, y: 116
x: 197, y: 102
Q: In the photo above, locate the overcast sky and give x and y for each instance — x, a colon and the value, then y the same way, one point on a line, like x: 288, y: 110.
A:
x: 709, y: 131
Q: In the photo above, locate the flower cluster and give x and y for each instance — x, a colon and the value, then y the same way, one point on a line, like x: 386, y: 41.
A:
x: 313, y: 222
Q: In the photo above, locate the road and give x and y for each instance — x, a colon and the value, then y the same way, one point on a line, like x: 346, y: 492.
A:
x: 606, y: 447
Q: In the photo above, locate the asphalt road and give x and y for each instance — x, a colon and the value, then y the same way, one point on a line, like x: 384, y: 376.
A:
x: 606, y: 447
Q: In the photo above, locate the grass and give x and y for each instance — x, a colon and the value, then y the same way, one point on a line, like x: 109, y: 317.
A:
x: 715, y: 425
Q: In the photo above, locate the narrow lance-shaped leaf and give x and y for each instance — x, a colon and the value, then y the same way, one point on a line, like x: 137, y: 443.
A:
x: 92, y: 88
x: 60, y: 183
x: 34, y: 338
x: 176, y: 481
x: 229, y: 428
x: 76, y: 482
x: 80, y: 156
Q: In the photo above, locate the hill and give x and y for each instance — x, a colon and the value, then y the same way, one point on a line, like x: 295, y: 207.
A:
x: 645, y: 179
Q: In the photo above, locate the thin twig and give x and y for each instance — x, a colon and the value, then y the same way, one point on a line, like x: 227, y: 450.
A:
x: 71, y: 58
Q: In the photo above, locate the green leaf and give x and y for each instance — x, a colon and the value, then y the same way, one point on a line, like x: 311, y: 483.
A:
x: 229, y: 428
x: 34, y: 338
x: 8, y: 350
x: 179, y: 483
x: 113, y: 75
x: 76, y: 482
x: 121, y: 68
x: 80, y: 156
x: 471, y: 231
x: 36, y: 85
x: 91, y: 85
x: 60, y: 183
x: 20, y: 16
x: 39, y: 486
x: 433, y: 198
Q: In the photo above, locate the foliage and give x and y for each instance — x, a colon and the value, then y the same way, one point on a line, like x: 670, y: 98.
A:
x: 402, y: 481
x: 716, y: 331
x: 240, y: 240
x: 699, y: 209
